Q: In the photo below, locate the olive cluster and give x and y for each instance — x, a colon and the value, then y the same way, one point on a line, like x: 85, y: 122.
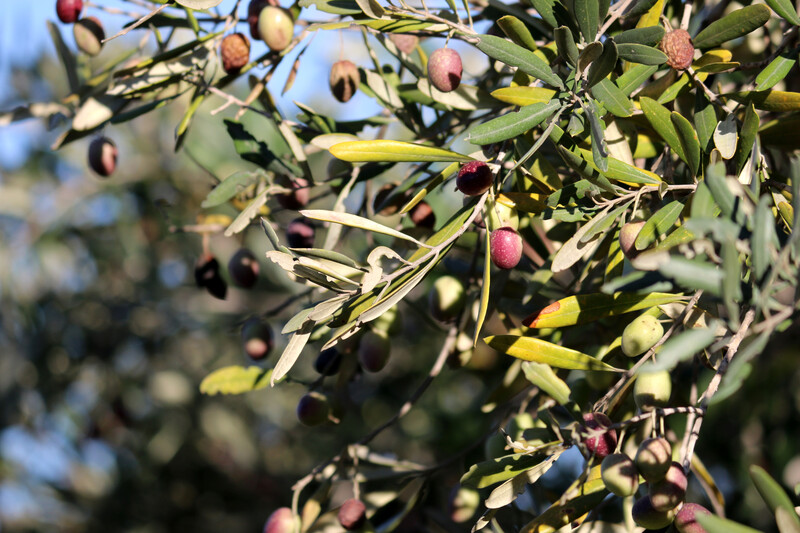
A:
x: 664, y: 483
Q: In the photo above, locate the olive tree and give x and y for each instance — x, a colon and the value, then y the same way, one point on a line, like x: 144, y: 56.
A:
x: 602, y: 192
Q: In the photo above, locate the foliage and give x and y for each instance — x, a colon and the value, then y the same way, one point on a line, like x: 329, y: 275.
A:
x: 586, y: 127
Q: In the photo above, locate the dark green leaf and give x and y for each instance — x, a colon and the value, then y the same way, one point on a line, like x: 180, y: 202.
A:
x: 705, y: 121
x: 639, y: 7
x: 256, y: 151
x: 649, y: 36
x: 603, y: 65
x: 726, y: 200
x: 335, y: 7
x: 516, y: 56
x: 731, y: 26
x: 658, y: 224
x: 513, y: 124
x: 689, y: 141
x: 612, y: 98
x: 635, y: 77
x: 565, y: 44
x: 731, y: 280
x: 747, y: 136
x: 659, y: 117
x: 640, y: 53
x: 703, y: 205
x: 599, y: 146
x: 588, y: 55
x: 586, y: 14
x: 545, y: 10
x: 66, y: 57
x: 517, y: 31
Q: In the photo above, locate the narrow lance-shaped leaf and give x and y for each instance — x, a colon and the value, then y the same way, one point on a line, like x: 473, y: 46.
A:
x: 599, y: 146
x: 585, y: 308
x: 634, y: 77
x: 772, y: 493
x: 398, y: 151
x: 604, y: 64
x: 355, y: 221
x: 688, y: 139
x: 747, y: 138
x: 764, y: 237
x: 509, y: 491
x: 487, y: 276
x: 516, y: 56
x: 586, y: 14
x: 546, y: 379
x: 659, y: 117
x: 786, y: 9
x: 523, y: 96
x: 649, y: 36
x: 577, y: 500
x: 612, y: 98
x: 513, y: 124
x: 731, y: 26
x: 705, y: 120
x: 235, y: 380
x: 641, y: 54
x: 779, y: 101
x: 488, y: 473
x: 541, y: 351
x: 517, y: 31
x: 681, y: 348
x: 658, y: 224
x: 715, y: 524
x: 777, y: 69
x: 565, y: 44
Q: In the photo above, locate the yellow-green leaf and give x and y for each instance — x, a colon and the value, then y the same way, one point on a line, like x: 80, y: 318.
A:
x: 585, y: 308
x: 541, y: 351
x: 398, y: 151
x: 769, y: 100
x: 527, y: 202
x: 546, y: 379
x: 235, y: 380
x: 523, y: 96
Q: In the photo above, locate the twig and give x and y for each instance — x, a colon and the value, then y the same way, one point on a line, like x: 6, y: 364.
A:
x: 138, y: 23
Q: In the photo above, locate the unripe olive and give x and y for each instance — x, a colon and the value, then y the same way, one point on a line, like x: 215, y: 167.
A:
x: 447, y: 298
x: 627, y: 237
x: 619, y: 474
x: 352, y: 514
x: 505, y: 246
x: 652, y: 389
x: 422, y: 215
x: 300, y: 234
x: 404, y: 42
x: 463, y: 504
x: 645, y: 515
x: 298, y: 198
x: 206, y: 275
x: 598, y: 444
x: 669, y: 492
x: 344, y: 80
x: 89, y: 35
x: 641, y: 334
x: 282, y: 521
x: 243, y: 268
x: 68, y: 11
x: 373, y: 351
x: 328, y: 362
x: 103, y: 156
x: 276, y: 27
x: 517, y: 425
x: 653, y: 459
x: 313, y: 409
x: 444, y: 69
x: 474, y: 178
x: 686, y: 519
x: 256, y: 338
x: 253, y: 10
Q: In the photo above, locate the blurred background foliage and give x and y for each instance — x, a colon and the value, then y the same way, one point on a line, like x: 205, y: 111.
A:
x: 105, y: 339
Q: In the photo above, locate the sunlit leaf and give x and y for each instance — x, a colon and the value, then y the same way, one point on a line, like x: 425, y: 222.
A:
x: 585, y: 308
x: 235, y: 380
x: 733, y: 25
x: 541, y: 351
x: 397, y: 151
x: 517, y: 56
